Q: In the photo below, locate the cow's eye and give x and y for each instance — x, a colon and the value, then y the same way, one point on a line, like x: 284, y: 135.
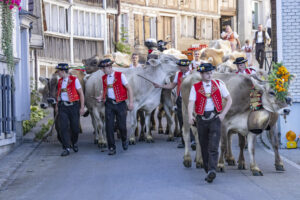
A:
x: 272, y: 93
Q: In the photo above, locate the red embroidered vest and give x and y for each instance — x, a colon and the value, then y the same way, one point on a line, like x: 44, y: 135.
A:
x: 179, y: 81
x: 119, y: 89
x: 71, y: 89
x: 248, y: 71
x: 201, y: 97
x: 248, y: 49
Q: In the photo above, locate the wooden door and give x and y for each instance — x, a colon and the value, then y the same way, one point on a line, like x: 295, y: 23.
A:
x: 111, y: 33
x: 166, y: 30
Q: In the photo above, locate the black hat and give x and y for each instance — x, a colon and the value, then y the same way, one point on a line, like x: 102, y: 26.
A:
x: 183, y: 62
x: 62, y: 66
x: 105, y: 63
x: 240, y: 60
x: 205, y: 67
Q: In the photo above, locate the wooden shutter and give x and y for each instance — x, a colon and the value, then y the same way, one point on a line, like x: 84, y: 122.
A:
x: 136, y: 29
x: 147, y: 27
x: 160, y: 28
x: 198, y: 28
x: 141, y: 30
x: 216, y: 31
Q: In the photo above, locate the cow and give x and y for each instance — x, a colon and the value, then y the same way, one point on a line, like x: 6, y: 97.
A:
x: 237, y: 118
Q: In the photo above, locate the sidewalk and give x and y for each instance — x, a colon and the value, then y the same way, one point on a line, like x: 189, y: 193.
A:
x: 11, y: 162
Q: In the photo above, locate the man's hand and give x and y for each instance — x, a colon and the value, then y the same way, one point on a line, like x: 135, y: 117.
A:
x: 99, y: 98
x: 191, y: 120
x: 130, y: 106
x: 81, y: 111
x: 221, y: 116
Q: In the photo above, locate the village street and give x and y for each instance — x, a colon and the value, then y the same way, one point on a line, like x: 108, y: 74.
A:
x: 145, y: 171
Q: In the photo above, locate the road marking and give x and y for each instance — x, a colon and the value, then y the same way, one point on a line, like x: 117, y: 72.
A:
x: 284, y: 159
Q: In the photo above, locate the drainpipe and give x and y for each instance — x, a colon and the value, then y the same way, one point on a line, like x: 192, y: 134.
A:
x: 117, y: 20
x: 36, y: 70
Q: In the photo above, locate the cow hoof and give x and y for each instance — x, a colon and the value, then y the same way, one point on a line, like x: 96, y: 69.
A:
x: 221, y: 168
x: 170, y: 139
x: 257, y: 173
x: 132, y: 142
x: 230, y: 161
x: 160, y: 131
x: 242, y: 166
x: 279, y: 168
x: 199, y: 165
x: 150, y: 140
x: 187, y: 161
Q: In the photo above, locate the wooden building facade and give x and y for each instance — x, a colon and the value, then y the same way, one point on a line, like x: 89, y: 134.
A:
x: 74, y: 30
x: 182, y: 22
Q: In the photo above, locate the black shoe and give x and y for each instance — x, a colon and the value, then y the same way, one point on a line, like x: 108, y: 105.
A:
x: 193, y: 146
x: 210, y: 176
x: 125, y: 145
x: 180, y: 146
x: 75, y: 148
x: 65, y: 152
x: 111, y: 151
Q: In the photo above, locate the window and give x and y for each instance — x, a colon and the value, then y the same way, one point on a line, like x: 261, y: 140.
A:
x: 56, y: 18
x: 183, y: 26
x: 255, y: 15
x: 209, y: 31
x: 191, y: 27
x: 88, y: 24
x: 124, y: 26
x: 153, y: 27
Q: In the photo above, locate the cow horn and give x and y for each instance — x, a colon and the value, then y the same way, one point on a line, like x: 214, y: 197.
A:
x: 258, y: 79
x: 43, y: 80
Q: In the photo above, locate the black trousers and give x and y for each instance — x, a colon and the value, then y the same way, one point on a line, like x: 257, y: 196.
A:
x: 120, y: 112
x: 180, y: 118
x: 260, y: 54
x: 68, y: 119
x: 209, y: 133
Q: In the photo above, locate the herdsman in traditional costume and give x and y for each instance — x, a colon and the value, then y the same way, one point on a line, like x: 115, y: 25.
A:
x: 206, y: 100
x: 184, y: 70
x: 70, y: 106
x: 115, y: 93
x: 241, y: 64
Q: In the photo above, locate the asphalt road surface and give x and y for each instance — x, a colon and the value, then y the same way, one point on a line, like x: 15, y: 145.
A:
x: 146, y: 171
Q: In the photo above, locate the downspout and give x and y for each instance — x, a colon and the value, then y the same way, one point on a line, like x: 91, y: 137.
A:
x: 117, y: 20
x: 36, y: 69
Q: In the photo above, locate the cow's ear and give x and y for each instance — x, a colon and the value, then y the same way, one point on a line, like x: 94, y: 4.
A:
x: 257, y: 84
x: 43, y: 80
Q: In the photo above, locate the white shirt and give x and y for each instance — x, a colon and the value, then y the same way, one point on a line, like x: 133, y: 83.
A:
x: 110, y: 81
x: 64, y: 95
x: 194, y: 64
x: 183, y: 76
x: 252, y: 72
x: 131, y: 66
x: 209, y: 102
x: 260, y: 38
x: 269, y: 23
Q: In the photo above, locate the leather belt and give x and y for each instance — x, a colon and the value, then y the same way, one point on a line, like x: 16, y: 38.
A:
x: 64, y: 90
x: 67, y: 103
x: 208, y: 115
x: 113, y: 101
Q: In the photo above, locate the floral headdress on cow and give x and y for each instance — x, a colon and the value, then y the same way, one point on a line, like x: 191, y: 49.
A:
x: 280, y: 79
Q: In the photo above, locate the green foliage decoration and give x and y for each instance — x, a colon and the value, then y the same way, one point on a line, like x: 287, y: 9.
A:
x: 122, y: 46
x: 7, y: 31
x: 36, y: 115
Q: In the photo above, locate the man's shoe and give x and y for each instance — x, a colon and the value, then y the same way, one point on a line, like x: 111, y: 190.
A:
x: 210, y: 176
x: 75, y: 148
x: 125, y: 145
x: 111, y: 151
x: 193, y: 145
x: 65, y: 152
x: 180, y: 146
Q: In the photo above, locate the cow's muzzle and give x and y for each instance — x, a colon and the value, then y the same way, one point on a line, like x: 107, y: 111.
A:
x: 51, y: 101
x: 289, y: 100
